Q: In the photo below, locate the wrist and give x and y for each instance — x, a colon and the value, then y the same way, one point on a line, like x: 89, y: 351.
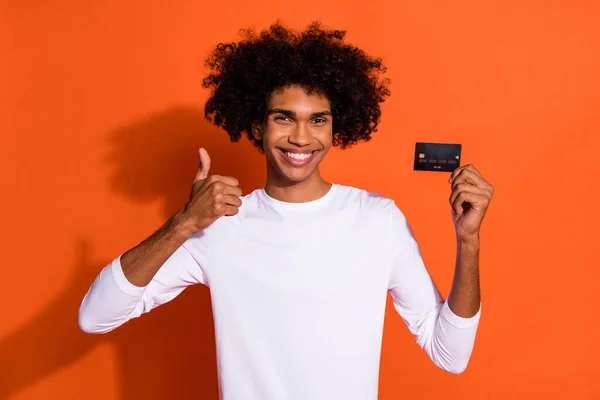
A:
x: 469, y: 241
x: 183, y: 225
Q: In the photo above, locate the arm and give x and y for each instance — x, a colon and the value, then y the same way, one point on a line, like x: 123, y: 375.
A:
x: 446, y: 337
x: 141, y: 263
x: 469, y: 201
x: 464, y: 298
x: 150, y: 274
x: 162, y: 266
x: 444, y: 329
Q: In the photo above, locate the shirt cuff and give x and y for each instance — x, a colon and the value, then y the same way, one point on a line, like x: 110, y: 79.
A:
x: 122, y: 282
x: 457, y: 321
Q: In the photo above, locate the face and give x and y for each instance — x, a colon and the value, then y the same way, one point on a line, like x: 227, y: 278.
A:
x: 297, y: 134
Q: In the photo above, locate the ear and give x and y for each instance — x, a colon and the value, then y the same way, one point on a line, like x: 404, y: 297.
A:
x: 257, y: 130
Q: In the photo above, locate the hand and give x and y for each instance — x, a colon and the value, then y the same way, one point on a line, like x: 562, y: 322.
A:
x: 211, y: 197
x: 469, y: 200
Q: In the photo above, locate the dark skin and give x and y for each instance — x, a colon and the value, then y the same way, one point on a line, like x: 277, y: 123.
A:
x: 469, y: 200
x: 299, y: 123
x: 211, y: 198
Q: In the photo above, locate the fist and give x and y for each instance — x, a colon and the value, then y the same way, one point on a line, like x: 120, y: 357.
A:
x: 469, y: 200
x: 211, y: 197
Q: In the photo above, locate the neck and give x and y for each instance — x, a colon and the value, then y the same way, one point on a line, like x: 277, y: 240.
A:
x: 312, y: 188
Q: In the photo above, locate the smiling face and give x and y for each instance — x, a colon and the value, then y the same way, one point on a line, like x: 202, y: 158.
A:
x: 296, y: 135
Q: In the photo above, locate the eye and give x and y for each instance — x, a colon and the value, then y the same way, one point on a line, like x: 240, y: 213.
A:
x: 319, y: 120
x: 282, y: 118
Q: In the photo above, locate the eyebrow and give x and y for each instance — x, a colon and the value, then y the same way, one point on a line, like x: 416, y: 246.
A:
x: 292, y: 114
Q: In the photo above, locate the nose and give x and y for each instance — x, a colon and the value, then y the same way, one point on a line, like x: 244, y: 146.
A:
x: 300, y: 136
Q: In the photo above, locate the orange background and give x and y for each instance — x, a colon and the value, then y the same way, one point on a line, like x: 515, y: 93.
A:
x: 100, y: 118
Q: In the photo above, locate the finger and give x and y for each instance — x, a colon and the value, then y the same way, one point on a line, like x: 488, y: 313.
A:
x: 465, y: 187
x: 232, y: 200
x: 475, y: 201
x: 468, y: 201
x: 232, y: 190
x: 455, y: 173
x: 231, y: 210
x: 469, y: 176
x: 227, y: 180
x: 468, y: 167
x: 472, y: 168
x: 204, y: 165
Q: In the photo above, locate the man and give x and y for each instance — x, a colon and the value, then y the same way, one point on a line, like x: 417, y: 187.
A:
x: 299, y: 270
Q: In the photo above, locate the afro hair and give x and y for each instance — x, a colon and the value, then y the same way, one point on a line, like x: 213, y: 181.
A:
x: 244, y: 74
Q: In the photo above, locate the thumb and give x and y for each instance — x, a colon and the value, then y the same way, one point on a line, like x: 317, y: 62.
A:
x: 204, y: 165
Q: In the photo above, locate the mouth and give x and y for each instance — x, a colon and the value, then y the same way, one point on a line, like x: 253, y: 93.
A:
x: 298, y: 158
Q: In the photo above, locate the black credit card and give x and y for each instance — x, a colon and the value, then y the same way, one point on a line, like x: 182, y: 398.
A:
x: 443, y: 157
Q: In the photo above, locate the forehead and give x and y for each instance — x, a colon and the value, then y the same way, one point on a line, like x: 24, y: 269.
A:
x: 296, y: 98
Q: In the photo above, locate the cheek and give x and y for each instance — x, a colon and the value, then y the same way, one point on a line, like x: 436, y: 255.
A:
x: 273, y: 135
x: 326, y: 139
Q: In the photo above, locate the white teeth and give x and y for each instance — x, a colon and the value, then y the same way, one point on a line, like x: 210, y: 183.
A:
x: 298, y: 156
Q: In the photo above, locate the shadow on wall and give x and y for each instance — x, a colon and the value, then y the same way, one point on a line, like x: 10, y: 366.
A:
x: 170, y: 352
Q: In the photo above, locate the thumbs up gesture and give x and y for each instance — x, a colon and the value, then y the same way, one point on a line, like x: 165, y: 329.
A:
x: 211, y: 196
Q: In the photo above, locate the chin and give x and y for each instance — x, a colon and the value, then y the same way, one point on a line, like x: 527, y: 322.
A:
x: 294, y: 177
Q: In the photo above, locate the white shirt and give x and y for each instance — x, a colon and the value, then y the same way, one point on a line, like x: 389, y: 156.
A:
x: 299, y: 293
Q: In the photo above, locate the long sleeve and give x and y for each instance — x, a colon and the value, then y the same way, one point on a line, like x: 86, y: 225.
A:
x: 447, y: 338
x: 112, y: 300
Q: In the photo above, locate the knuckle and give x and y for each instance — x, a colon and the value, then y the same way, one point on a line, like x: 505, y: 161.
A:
x: 217, y: 187
x: 218, y: 208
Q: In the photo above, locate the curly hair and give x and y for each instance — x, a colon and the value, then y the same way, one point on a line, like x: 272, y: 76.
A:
x: 243, y: 76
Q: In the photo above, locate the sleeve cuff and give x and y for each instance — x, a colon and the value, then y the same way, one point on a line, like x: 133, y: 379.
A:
x: 457, y: 321
x: 122, y: 282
